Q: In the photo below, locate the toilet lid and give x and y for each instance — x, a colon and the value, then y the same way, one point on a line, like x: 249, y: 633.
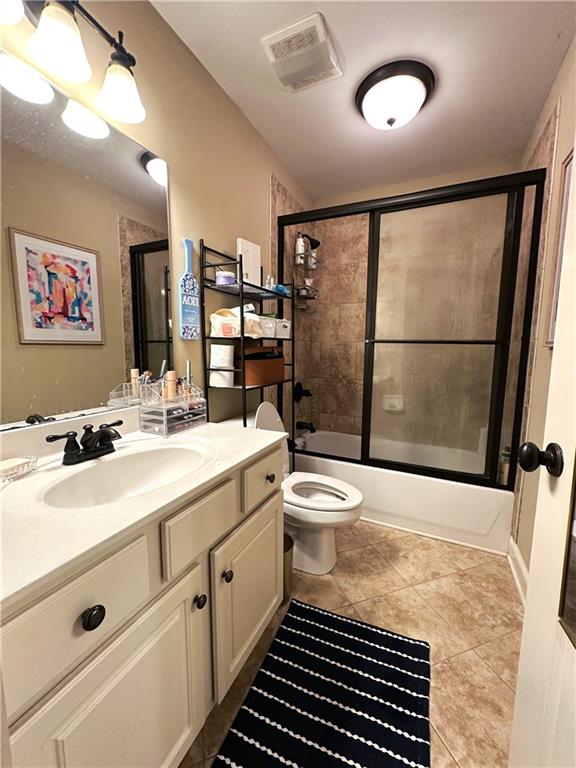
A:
x: 311, y: 491
x: 267, y: 417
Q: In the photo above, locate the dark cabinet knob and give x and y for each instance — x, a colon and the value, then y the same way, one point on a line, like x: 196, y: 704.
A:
x: 271, y: 478
x: 530, y: 457
x: 200, y: 601
x: 91, y: 618
x: 228, y: 576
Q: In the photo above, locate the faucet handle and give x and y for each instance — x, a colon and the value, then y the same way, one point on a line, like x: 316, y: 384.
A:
x: 71, y: 444
x: 88, y: 432
x: 117, y: 423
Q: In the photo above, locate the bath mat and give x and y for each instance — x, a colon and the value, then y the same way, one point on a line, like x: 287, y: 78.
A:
x: 334, y: 692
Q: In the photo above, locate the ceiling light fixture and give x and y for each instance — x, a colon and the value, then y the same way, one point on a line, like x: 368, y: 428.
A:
x: 155, y: 167
x: 83, y: 121
x: 11, y: 12
x: 24, y: 81
x: 392, y: 95
x: 56, y: 44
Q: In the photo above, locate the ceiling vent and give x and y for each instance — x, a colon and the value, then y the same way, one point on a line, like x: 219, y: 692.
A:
x: 302, y: 54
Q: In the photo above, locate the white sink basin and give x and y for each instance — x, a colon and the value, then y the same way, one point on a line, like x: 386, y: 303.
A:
x: 121, y: 476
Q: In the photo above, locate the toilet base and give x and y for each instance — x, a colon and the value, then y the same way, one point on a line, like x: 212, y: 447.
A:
x: 314, y: 549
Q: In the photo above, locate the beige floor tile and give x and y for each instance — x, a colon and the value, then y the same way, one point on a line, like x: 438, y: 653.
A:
x: 322, y: 591
x: 347, y: 610
x: 349, y: 537
x: 471, y: 708
x: 502, y: 655
x: 441, y: 757
x: 416, y: 558
x: 470, y: 607
x: 362, y: 573
x: 465, y: 557
x: 375, y: 533
x: 407, y: 613
x: 496, y: 578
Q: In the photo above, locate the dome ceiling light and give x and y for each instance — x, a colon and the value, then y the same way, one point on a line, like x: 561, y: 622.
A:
x: 392, y: 95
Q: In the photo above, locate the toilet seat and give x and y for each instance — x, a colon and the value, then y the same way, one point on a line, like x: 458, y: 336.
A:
x: 307, y: 490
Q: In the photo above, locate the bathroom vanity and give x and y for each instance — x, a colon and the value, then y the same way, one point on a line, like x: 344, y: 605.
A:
x: 128, y: 611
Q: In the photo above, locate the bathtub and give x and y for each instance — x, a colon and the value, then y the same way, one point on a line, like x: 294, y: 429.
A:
x: 459, y: 512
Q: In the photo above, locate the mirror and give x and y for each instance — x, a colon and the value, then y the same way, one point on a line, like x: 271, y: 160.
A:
x: 85, y: 264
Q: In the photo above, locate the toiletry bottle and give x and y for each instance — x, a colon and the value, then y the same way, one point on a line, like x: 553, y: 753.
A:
x: 135, y: 386
x: 170, y: 385
x: 189, y: 297
x: 299, y: 250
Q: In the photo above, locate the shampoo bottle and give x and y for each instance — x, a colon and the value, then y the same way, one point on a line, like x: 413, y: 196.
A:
x: 189, y: 297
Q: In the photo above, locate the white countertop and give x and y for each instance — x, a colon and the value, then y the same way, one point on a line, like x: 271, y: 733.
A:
x: 39, y: 540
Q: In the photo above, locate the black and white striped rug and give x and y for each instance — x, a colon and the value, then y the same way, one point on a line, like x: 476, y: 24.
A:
x: 334, y: 692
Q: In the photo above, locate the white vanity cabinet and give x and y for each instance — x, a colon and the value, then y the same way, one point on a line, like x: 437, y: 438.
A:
x: 187, y: 597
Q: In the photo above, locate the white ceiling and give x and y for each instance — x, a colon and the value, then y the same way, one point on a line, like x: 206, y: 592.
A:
x: 494, y: 62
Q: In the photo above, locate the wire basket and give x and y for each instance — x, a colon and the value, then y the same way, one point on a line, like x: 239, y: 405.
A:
x: 164, y: 417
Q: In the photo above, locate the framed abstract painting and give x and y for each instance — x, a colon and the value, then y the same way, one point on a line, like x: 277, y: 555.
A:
x: 57, y: 287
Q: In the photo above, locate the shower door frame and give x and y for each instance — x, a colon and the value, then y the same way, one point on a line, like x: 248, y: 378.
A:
x: 514, y: 185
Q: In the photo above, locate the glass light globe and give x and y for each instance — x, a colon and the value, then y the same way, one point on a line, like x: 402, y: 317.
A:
x: 119, y: 97
x: 393, y: 102
x: 158, y: 170
x: 23, y: 81
x: 83, y: 121
x: 56, y: 45
x: 11, y: 12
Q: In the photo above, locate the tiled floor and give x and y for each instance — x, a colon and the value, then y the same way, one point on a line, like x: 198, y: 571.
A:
x: 463, y: 601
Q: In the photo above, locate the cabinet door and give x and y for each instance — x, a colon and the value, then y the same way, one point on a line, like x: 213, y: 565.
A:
x: 247, y: 571
x: 137, y: 704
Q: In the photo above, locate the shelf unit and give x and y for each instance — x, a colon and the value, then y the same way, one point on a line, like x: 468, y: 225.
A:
x: 211, y: 259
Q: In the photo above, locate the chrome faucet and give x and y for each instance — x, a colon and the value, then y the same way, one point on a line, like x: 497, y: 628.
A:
x: 93, y: 444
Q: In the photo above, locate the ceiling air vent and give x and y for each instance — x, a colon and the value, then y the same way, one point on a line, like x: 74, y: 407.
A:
x: 302, y: 54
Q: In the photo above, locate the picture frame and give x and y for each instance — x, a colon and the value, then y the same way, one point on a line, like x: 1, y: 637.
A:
x: 57, y: 290
x: 567, y: 170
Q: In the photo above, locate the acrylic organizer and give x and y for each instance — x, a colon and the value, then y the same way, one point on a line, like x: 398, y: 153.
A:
x: 164, y: 417
x: 123, y: 395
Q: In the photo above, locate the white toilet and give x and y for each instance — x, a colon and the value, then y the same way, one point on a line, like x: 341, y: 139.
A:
x: 314, y: 505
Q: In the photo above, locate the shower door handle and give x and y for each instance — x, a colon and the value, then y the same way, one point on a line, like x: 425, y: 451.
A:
x: 530, y: 457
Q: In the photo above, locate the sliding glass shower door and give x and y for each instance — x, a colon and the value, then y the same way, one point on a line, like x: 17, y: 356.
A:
x: 438, y: 331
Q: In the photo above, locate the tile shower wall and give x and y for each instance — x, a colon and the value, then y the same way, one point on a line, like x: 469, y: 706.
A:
x: 330, y: 332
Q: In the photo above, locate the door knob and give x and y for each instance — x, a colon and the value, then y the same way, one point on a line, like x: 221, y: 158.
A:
x: 271, y: 478
x: 200, y: 601
x: 228, y: 576
x: 530, y: 457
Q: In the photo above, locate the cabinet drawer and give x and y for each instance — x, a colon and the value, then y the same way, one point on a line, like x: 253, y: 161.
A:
x: 44, y: 642
x: 196, y: 527
x: 137, y: 703
x: 262, y: 479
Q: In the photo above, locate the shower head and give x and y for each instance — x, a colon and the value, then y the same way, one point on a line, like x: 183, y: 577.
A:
x: 313, y: 242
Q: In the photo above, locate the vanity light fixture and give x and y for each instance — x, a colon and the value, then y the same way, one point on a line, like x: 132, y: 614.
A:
x: 24, y: 81
x: 83, y: 121
x: 57, y: 46
x: 392, y: 95
x: 11, y: 12
x: 156, y: 167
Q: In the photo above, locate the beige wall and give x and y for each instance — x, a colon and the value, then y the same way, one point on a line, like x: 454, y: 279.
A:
x: 415, y: 185
x: 46, y: 199
x: 562, y: 93
x: 219, y: 164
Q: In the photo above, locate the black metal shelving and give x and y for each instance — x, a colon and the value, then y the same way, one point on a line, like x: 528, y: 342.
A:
x: 211, y: 259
